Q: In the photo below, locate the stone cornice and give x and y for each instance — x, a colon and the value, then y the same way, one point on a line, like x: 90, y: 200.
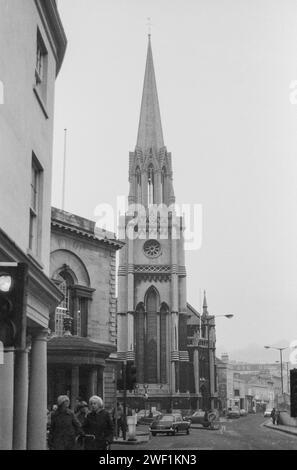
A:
x: 116, y: 244
x: 51, y: 14
x: 70, y: 346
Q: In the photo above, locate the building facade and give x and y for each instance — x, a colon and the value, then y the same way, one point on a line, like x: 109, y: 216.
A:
x: 252, y: 387
x: 32, y: 47
x: 83, y: 326
x: 153, y: 312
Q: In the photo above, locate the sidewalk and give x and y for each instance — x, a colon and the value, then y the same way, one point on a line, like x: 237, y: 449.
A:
x: 281, y: 427
x: 142, y: 435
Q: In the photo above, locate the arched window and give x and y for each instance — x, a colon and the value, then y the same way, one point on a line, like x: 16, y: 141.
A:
x: 151, y: 336
x: 138, y: 176
x: 163, y: 185
x: 138, y: 184
x: 74, y: 305
x: 150, y: 180
x: 65, y: 308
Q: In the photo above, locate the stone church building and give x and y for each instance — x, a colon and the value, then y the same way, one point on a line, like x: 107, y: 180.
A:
x: 154, y: 320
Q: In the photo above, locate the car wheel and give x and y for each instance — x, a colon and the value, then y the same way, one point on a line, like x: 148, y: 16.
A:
x: 154, y: 433
x: 188, y: 431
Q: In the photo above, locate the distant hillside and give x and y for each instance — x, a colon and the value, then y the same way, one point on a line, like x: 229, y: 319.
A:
x: 256, y: 353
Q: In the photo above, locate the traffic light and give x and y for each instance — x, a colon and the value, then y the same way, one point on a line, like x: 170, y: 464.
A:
x: 130, y: 376
x: 293, y: 387
x: 13, y: 281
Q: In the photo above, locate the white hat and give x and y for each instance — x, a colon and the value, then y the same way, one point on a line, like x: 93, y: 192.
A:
x: 61, y: 399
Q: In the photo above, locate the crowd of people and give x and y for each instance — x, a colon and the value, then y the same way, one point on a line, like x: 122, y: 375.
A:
x: 88, y: 426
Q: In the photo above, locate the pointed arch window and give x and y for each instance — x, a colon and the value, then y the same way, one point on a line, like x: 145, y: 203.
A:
x: 150, y: 180
x: 163, y: 185
x: 151, y: 336
x: 138, y: 184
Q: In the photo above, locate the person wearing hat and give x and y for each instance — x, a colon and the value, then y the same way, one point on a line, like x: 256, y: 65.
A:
x: 64, y: 426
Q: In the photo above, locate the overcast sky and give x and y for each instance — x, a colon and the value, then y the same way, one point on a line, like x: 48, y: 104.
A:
x: 223, y: 70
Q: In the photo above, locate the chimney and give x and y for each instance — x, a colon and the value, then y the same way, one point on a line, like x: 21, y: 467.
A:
x: 225, y: 357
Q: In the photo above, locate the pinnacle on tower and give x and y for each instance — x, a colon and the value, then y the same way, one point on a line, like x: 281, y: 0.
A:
x: 205, y: 311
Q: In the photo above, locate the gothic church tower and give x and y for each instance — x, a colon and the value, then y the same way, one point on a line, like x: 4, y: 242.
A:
x: 152, y: 305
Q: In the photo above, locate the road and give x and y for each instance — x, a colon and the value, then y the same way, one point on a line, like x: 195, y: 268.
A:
x: 245, y: 433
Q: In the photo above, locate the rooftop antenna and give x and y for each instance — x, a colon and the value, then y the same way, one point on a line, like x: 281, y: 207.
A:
x: 64, y: 170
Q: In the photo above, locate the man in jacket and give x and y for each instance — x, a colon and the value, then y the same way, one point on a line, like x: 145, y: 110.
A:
x: 99, y: 424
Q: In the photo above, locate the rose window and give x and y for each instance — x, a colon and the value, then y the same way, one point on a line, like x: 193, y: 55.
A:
x: 152, y: 248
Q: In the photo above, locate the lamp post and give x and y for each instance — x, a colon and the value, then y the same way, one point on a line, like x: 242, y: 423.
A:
x: 281, y: 362
x: 207, y: 320
x: 286, y: 368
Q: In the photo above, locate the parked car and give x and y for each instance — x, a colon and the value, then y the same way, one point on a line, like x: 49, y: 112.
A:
x: 267, y: 413
x: 147, y: 416
x: 206, y: 419
x: 243, y: 412
x: 170, y: 424
x: 233, y: 413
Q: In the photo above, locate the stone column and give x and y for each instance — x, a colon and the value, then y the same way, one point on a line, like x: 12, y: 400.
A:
x: 74, y: 385
x: 92, y: 385
x: 6, y: 400
x: 174, y: 310
x: 122, y: 302
x: 20, y: 409
x: 196, y: 370
x: 130, y: 313
x: 37, y: 416
x: 60, y: 385
x: 158, y: 348
x: 100, y: 382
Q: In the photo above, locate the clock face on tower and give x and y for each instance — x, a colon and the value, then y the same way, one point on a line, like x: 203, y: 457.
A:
x: 152, y: 248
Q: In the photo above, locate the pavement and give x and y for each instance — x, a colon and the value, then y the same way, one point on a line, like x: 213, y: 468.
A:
x: 142, y: 435
x: 281, y: 427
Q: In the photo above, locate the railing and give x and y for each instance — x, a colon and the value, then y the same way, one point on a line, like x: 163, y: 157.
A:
x: 60, y: 314
x: 64, y: 322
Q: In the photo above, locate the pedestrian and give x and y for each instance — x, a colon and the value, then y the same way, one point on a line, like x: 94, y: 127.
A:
x: 120, y: 420
x: 82, y: 411
x: 99, y: 424
x: 50, y: 414
x: 78, y: 402
x: 277, y: 417
x: 64, y: 426
x: 273, y: 415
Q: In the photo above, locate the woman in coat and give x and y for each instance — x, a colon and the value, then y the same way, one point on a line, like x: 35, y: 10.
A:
x: 98, y: 423
x: 64, y: 426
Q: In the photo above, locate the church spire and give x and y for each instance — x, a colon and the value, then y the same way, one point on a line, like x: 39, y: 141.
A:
x: 150, y: 134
